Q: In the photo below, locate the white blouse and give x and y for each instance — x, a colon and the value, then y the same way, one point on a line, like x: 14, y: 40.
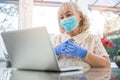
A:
x: 91, y: 42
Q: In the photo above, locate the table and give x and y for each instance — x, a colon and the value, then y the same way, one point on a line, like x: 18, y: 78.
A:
x: 93, y: 74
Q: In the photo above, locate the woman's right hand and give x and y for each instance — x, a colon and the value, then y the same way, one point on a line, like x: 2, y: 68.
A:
x: 60, y: 49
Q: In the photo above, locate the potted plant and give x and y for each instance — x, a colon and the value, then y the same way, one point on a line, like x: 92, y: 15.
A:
x: 117, y: 58
x: 108, y: 45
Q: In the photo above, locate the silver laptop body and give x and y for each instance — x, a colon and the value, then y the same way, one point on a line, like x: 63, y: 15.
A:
x: 32, y: 49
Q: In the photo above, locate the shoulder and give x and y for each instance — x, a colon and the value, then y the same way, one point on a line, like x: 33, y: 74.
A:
x: 97, y: 45
x: 95, y: 40
x: 94, y: 37
x: 91, y: 37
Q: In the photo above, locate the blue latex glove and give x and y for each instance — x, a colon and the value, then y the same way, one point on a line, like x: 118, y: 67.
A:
x: 75, y: 49
x: 60, y: 49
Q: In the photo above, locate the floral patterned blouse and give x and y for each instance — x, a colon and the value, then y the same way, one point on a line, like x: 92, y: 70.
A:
x: 91, y: 42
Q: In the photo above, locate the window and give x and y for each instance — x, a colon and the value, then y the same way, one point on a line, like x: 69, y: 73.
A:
x: 8, y: 21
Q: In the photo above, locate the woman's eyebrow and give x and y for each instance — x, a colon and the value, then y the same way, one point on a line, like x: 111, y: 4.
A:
x: 68, y: 12
x: 65, y: 13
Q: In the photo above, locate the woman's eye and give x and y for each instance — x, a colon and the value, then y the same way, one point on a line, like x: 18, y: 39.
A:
x: 61, y: 17
x: 68, y: 15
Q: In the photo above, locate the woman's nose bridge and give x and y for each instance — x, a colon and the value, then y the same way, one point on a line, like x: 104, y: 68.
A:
x: 64, y: 16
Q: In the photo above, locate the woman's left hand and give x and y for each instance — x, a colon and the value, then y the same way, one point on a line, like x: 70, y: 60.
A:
x: 75, y: 49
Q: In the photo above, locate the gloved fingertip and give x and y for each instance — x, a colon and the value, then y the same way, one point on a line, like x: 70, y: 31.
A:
x: 70, y: 41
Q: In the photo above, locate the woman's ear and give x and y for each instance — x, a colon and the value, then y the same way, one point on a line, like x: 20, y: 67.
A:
x: 78, y: 16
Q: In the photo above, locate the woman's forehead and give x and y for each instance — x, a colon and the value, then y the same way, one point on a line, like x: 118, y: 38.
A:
x: 66, y: 8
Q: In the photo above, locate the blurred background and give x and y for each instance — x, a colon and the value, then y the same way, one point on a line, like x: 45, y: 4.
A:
x: 104, y: 18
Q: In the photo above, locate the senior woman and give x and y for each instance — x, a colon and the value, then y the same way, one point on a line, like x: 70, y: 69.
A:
x: 75, y: 45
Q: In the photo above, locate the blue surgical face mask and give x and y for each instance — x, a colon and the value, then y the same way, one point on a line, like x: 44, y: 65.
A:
x: 69, y: 24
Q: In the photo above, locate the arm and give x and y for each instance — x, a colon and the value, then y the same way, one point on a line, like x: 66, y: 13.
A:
x: 99, y: 58
x: 97, y: 61
x: 91, y: 58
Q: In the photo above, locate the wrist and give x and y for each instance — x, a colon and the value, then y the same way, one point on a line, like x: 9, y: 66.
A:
x: 56, y: 51
x: 84, y: 53
x: 86, y: 57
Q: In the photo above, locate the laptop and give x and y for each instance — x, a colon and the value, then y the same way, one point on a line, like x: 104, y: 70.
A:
x: 31, y: 49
